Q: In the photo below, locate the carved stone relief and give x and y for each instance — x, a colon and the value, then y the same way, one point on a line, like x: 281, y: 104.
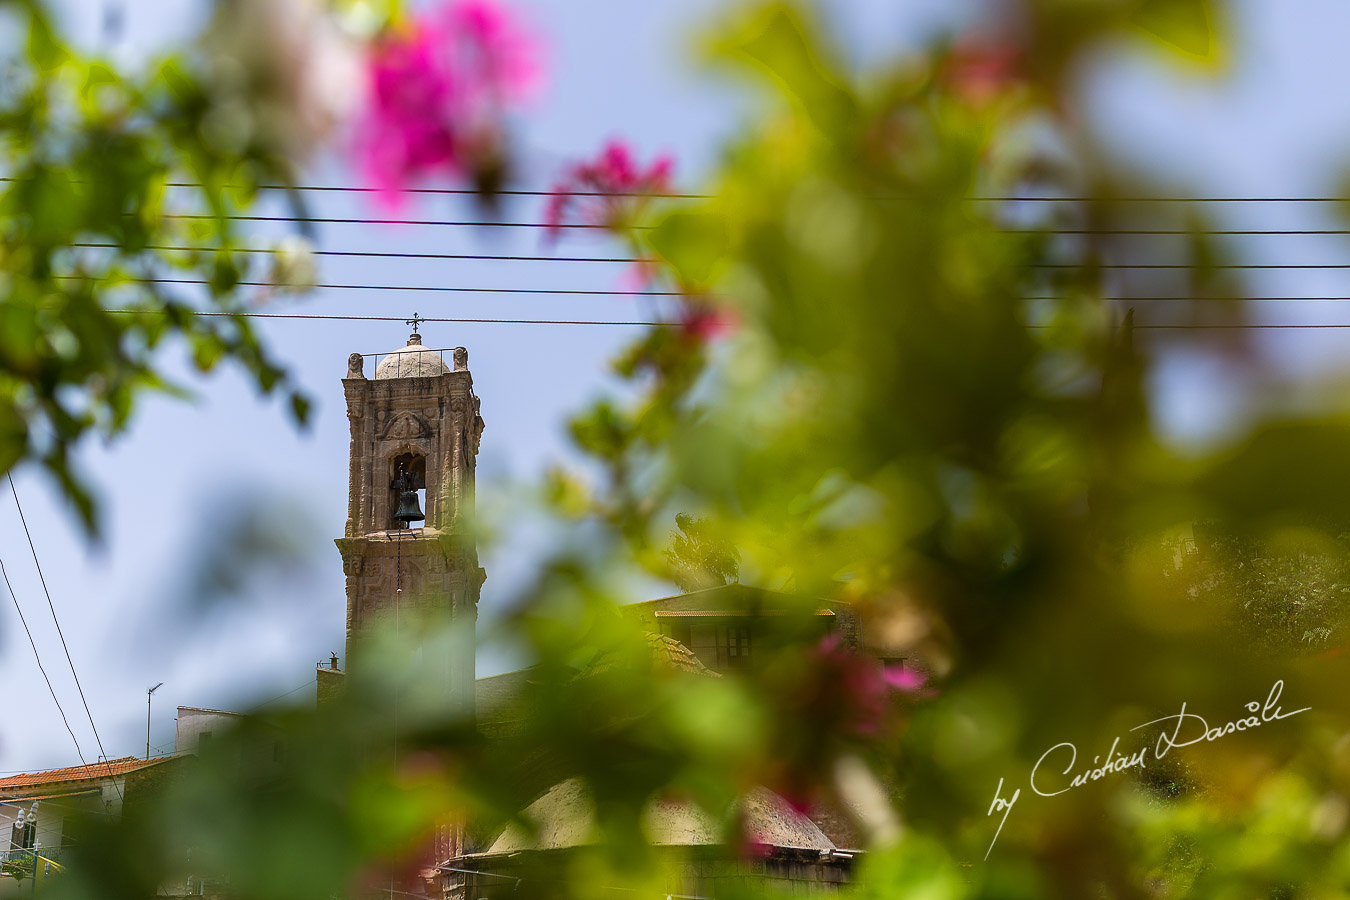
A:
x: 406, y: 426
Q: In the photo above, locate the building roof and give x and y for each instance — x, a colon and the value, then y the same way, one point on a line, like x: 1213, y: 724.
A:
x: 214, y: 712
x: 733, y: 600
x: 670, y: 653
x: 90, y: 772
x: 666, y: 653
x: 565, y: 817
x: 413, y: 361
x: 58, y: 795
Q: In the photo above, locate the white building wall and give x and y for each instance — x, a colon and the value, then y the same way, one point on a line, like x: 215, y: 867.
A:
x: 193, y: 723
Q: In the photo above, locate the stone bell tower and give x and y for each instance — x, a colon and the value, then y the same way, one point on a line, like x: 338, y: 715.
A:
x: 414, y: 425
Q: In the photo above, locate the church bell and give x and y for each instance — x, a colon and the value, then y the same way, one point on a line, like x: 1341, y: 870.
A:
x: 408, y: 509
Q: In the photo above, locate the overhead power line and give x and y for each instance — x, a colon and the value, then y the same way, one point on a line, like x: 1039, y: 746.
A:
x: 511, y: 192
x: 1156, y: 199
x: 569, y: 292
x: 43, y: 579
x: 1132, y: 265
x: 330, y: 220
x: 287, y: 694
x: 41, y: 667
x: 391, y: 255
x: 327, y: 220
x: 1239, y: 326
x: 1202, y: 298
x: 677, y: 195
x: 358, y: 318
x: 1181, y: 231
x: 489, y: 257
x: 437, y: 288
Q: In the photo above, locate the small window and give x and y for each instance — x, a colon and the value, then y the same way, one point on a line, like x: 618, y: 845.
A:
x: 738, y: 645
x: 204, y: 738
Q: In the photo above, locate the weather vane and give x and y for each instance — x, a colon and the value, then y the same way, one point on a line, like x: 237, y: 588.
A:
x: 415, y: 321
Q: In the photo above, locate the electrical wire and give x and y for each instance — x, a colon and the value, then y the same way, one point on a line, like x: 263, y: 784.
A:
x: 1179, y: 231
x: 565, y: 292
x: 287, y: 694
x: 1195, y: 299
x: 512, y: 192
x: 402, y: 287
x: 1106, y: 265
x: 359, y: 318
x: 325, y: 220
x: 1023, y: 199
x: 487, y: 257
x: 43, y: 579
x: 636, y: 260
x: 41, y: 667
x: 1235, y: 326
x: 330, y: 220
x: 373, y: 254
x: 519, y: 192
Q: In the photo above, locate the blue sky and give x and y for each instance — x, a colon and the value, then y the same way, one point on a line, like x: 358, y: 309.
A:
x: 1276, y: 125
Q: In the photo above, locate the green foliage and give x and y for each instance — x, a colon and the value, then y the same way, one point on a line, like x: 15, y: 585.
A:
x: 698, y: 559
x: 1289, y: 591
x: 892, y: 419
x: 17, y: 868
x: 90, y: 222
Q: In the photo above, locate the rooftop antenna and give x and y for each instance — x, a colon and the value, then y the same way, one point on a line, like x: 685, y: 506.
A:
x: 148, y: 693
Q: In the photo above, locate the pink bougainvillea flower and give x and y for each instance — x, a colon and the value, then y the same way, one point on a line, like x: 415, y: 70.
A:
x: 979, y: 69
x: 439, y: 93
x: 609, y: 191
x: 908, y: 681
x: 863, y: 686
x: 612, y: 191
x: 705, y: 322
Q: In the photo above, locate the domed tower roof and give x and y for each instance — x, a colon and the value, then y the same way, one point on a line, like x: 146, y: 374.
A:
x: 565, y: 817
x: 413, y: 361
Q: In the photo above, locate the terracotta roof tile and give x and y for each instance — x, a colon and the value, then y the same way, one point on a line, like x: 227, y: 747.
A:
x: 671, y: 653
x: 78, y: 773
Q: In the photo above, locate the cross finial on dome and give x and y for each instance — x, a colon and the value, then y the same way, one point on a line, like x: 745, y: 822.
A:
x: 415, y: 321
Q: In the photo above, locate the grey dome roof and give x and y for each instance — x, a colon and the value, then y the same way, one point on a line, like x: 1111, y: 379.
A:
x: 413, y: 361
x: 565, y: 817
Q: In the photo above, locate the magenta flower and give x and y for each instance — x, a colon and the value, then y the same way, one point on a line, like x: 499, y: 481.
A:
x: 908, y: 681
x: 980, y: 69
x: 703, y: 321
x: 863, y: 689
x: 439, y: 93
x: 610, y: 190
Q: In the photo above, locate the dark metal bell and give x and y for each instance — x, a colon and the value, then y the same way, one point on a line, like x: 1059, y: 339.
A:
x: 408, y: 509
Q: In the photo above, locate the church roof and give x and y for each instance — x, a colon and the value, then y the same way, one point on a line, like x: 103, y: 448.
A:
x: 728, y: 600
x: 413, y: 361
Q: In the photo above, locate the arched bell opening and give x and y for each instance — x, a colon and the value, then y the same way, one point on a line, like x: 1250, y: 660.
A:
x: 407, y: 490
